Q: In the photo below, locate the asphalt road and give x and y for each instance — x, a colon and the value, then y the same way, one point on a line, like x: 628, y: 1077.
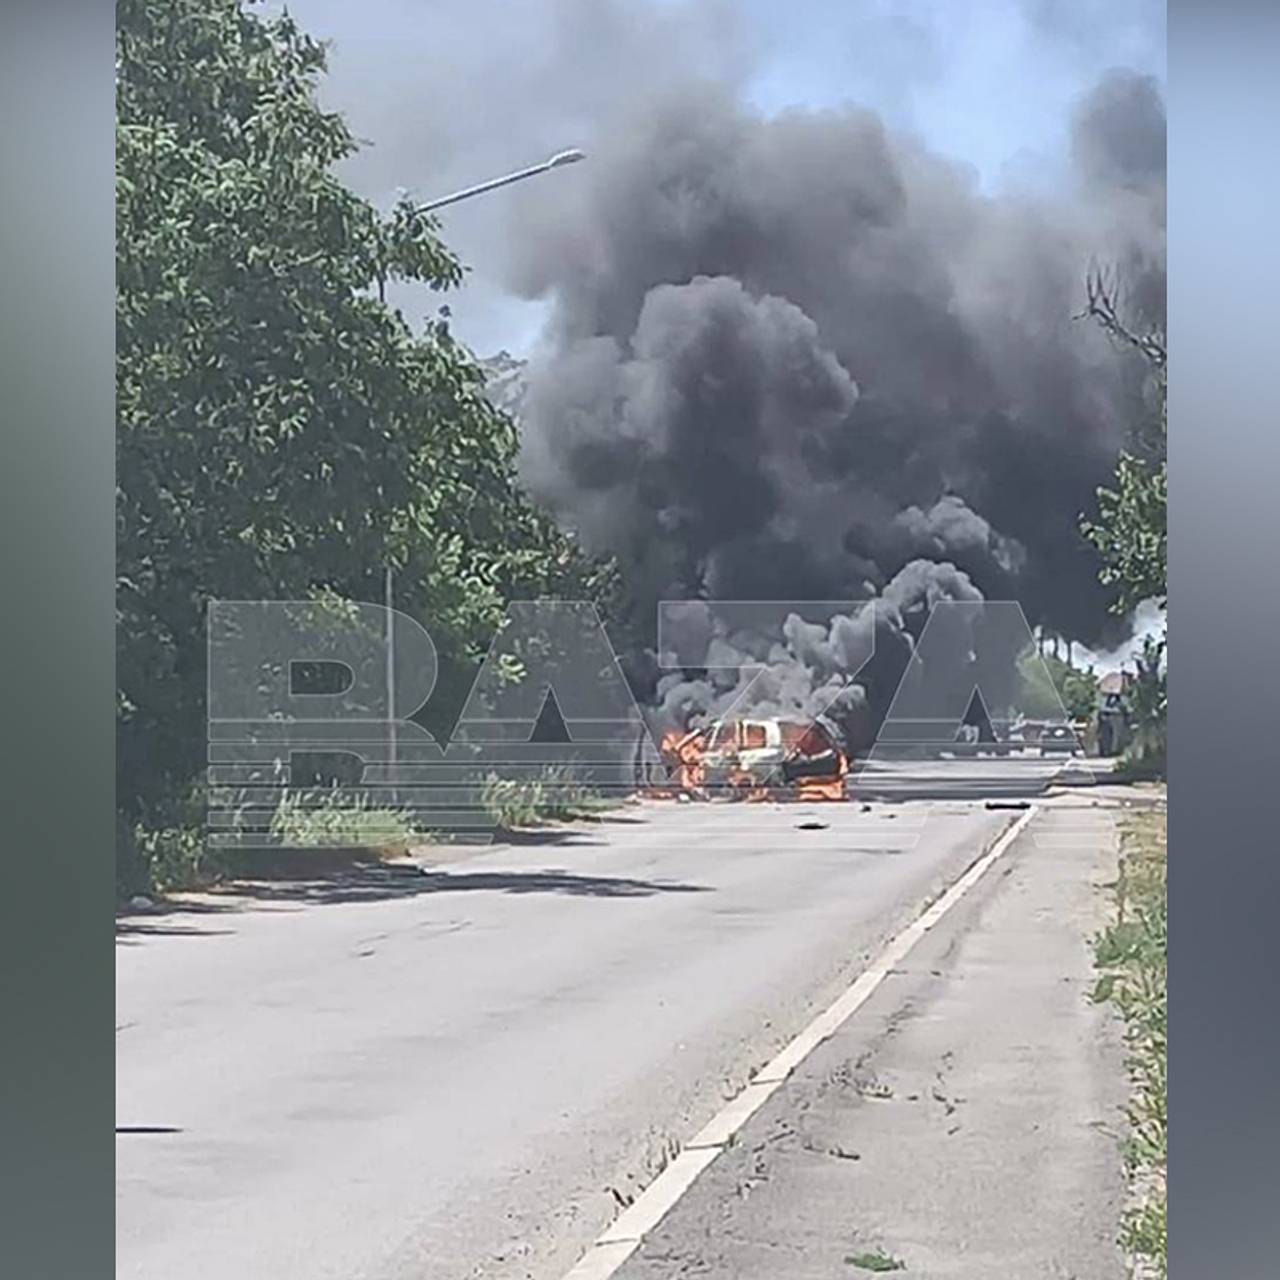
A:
x: 964, y: 1124
x: 460, y: 1070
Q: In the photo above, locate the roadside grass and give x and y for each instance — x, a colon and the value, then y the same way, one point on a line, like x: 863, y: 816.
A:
x: 876, y: 1261
x: 1137, y: 765
x: 317, y: 820
x: 175, y: 855
x: 1132, y: 956
x: 556, y: 794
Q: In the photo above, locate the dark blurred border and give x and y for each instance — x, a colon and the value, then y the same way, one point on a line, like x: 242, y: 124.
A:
x: 1224, y: 416
x: 56, y: 250
x: 56, y: 878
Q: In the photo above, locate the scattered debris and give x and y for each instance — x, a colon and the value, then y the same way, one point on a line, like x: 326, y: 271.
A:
x: 141, y: 903
x: 875, y: 1089
x: 842, y: 1153
x: 875, y: 1261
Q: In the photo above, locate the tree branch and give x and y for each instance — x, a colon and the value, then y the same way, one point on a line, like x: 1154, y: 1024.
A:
x: 1102, y: 289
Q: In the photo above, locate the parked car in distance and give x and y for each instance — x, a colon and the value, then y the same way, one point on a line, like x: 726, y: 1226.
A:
x: 1058, y: 738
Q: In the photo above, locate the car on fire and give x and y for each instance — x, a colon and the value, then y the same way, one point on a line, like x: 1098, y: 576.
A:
x: 753, y: 758
x: 751, y: 750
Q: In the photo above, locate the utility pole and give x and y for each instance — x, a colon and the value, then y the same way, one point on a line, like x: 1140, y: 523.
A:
x: 391, y: 675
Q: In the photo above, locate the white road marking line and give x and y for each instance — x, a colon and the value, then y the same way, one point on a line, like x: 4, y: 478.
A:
x: 651, y: 1205
x: 619, y: 1241
x: 602, y: 1260
x: 719, y: 1130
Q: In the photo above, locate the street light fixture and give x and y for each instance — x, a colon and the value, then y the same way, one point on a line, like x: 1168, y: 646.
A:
x: 557, y: 161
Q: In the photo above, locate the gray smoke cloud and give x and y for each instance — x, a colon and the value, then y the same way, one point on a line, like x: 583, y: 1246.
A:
x: 801, y: 356
x: 792, y: 355
x: 843, y: 669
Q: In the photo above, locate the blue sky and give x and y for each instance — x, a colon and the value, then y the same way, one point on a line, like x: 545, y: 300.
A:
x: 987, y: 81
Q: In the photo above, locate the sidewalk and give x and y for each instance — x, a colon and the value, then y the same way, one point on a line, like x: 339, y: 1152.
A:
x: 963, y: 1124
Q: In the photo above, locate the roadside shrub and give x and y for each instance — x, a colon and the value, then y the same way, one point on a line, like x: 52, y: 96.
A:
x: 178, y: 857
x: 1148, y: 703
x: 329, y: 819
x: 133, y: 872
x: 166, y: 849
x: 169, y: 856
x: 557, y: 793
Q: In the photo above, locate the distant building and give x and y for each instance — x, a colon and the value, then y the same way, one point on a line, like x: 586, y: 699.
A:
x: 1112, y: 727
x: 1114, y: 682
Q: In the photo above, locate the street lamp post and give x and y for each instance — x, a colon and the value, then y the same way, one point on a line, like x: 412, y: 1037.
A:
x: 557, y: 161
x: 391, y: 689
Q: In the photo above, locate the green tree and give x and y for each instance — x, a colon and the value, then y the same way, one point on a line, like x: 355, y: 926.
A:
x: 1131, y: 530
x: 1066, y: 687
x: 1147, y: 705
x: 281, y: 432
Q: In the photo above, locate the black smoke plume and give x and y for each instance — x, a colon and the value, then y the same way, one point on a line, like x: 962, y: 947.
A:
x: 802, y: 357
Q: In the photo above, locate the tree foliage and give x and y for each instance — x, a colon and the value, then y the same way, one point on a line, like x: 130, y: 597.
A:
x: 1131, y: 531
x: 1147, y: 706
x: 281, y: 432
x: 1066, y: 688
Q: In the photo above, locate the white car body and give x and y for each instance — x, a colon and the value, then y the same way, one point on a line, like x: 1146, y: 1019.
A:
x: 752, y: 747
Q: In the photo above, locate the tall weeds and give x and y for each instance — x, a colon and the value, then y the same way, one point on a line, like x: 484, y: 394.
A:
x: 1132, y: 956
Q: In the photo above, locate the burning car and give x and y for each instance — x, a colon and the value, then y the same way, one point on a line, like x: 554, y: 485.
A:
x: 758, y: 759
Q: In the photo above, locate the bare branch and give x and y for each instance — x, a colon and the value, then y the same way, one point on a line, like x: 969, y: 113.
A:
x: 1102, y: 289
